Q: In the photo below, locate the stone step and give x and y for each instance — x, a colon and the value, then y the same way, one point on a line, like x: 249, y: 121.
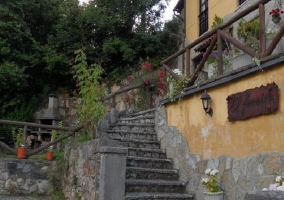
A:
x: 150, y: 173
x: 144, y: 162
x: 138, y: 143
x: 142, y: 185
x: 133, y: 124
x: 150, y: 153
x: 148, y: 118
x: 141, y: 128
x: 138, y: 135
x: 144, y: 112
x: 160, y: 196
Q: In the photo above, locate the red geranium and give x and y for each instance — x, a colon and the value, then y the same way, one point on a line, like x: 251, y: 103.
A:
x: 276, y: 12
x: 161, y: 85
x: 146, y: 81
x: 162, y: 74
x: 147, y: 65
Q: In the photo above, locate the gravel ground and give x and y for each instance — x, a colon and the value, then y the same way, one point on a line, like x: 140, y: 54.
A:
x: 5, y: 197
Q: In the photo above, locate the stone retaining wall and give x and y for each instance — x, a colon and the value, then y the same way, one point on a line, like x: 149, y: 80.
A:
x: 24, y: 176
x: 237, y: 176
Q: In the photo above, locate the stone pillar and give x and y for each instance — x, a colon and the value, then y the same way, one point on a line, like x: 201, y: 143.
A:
x: 112, y: 173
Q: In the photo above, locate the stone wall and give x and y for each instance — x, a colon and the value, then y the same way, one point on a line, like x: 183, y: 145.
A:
x: 237, y: 176
x: 92, y: 174
x: 24, y: 176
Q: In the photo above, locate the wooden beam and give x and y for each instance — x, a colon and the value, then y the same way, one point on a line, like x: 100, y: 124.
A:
x: 168, y: 69
x: 17, y: 123
x: 48, y: 145
x: 262, y: 39
x: 274, y: 42
x: 202, y: 62
x: 6, y: 147
x: 238, y: 44
x: 220, y: 54
x: 123, y: 90
x: 222, y: 26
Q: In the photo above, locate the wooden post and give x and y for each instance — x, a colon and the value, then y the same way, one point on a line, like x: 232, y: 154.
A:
x: 25, y: 135
x: 220, y: 54
x: 274, y: 42
x: 113, y: 102
x: 235, y: 42
x: 262, y: 39
x: 187, y: 57
x: 202, y: 62
x: 166, y: 67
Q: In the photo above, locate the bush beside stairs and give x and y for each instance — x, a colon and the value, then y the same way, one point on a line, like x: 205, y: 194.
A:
x: 149, y: 173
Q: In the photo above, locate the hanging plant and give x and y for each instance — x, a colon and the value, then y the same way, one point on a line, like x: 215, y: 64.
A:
x: 276, y: 15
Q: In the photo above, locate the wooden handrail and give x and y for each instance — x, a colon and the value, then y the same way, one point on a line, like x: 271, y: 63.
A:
x: 123, y: 90
x: 70, y: 130
x: 214, y: 31
x: 29, y: 124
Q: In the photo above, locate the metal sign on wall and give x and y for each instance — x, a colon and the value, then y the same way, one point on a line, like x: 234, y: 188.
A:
x: 253, y: 102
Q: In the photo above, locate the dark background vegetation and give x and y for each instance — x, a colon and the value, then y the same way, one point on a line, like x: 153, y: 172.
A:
x: 38, y: 39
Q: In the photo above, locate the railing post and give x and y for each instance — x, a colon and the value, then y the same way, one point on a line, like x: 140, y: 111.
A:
x: 262, y: 39
x: 187, y: 57
x: 220, y: 54
x: 25, y: 135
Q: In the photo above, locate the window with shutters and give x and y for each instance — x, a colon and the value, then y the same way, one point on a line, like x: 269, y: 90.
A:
x: 203, y: 17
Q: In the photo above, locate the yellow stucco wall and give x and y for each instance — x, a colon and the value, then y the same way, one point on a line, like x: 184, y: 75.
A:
x: 191, y: 21
x: 216, y: 136
x: 219, y: 7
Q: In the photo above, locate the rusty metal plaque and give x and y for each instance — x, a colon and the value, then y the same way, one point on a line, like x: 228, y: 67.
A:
x: 253, y: 102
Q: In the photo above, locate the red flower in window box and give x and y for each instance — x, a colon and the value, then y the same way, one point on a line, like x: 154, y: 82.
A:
x: 276, y: 12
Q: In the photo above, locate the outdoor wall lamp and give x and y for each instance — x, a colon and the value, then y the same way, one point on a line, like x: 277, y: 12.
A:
x: 205, y: 102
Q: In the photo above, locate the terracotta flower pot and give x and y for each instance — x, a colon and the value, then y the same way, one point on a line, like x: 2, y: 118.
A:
x: 21, y: 152
x: 49, y: 155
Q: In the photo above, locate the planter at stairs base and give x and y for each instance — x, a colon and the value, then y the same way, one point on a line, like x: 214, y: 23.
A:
x: 21, y: 152
x: 213, y: 196
x: 49, y: 155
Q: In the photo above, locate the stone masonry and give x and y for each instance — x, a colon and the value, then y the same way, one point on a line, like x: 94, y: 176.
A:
x: 91, y: 173
x: 24, y: 176
x: 237, y: 177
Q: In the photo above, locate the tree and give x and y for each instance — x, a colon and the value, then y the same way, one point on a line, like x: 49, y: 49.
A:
x: 126, y: 32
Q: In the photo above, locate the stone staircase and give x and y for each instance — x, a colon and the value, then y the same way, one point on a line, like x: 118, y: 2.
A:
x: 149, y: 174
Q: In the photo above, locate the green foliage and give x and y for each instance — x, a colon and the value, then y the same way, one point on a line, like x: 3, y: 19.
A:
x: 38, y: 40
x: 91, y: 109
x: 19, y: 137
x: 217, y: 21
x: 127, y: 31
x: 249, y: 31
x: 83, y: 138
x: 210, y: 182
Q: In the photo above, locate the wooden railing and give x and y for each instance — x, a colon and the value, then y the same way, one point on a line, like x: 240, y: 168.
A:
x: 70, y: 132
x: 218, y: 34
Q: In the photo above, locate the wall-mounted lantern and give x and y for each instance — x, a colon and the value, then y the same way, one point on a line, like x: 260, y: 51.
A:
x: 206, y: 103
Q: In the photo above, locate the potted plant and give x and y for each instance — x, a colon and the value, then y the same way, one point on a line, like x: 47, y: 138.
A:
x: 210, y: 184
x: 49, y: 153
x: 21, y: 149
x: 275, y: 13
